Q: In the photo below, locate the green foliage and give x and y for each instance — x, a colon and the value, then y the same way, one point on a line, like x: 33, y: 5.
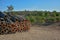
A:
x: 40, y: 16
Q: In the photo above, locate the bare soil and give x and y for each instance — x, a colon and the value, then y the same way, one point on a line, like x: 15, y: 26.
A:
x: 35, y: 33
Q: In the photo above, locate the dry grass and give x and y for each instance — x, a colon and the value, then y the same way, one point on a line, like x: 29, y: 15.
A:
x: 35, y: 33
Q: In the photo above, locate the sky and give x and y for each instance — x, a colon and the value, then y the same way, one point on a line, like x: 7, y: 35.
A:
x: 20, y: 5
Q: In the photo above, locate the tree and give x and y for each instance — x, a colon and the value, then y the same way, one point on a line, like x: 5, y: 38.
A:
x: 54, y: 13
x: 10, y: 8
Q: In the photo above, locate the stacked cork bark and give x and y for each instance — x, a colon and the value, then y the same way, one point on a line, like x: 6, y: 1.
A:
x: 15, y: 27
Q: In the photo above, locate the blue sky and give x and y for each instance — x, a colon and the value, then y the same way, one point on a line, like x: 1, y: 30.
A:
x: 31, y: 4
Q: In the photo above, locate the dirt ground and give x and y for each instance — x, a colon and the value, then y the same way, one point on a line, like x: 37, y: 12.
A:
x: 35, y: 33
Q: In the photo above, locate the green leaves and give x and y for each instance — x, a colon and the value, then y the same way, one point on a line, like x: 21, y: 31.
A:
x: 41, y: 16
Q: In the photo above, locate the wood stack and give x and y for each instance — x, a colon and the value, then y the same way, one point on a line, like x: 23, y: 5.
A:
x: 15, y: 27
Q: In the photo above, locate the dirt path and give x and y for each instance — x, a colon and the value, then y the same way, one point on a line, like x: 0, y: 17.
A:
x: 35, y: 33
